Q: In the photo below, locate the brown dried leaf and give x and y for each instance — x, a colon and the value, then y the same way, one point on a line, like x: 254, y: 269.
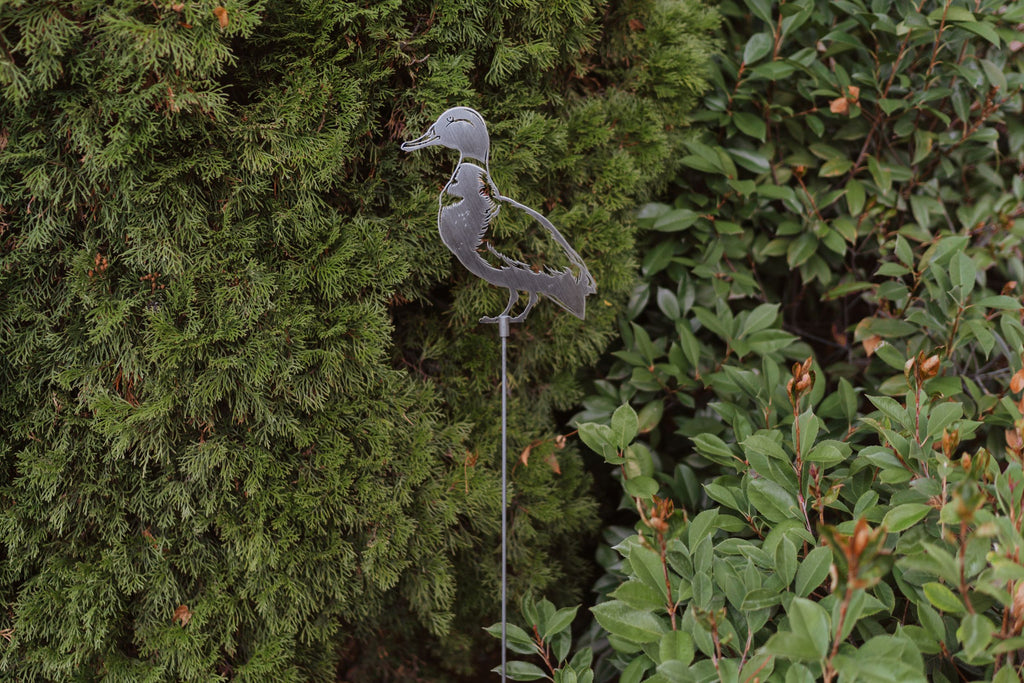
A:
x: 871, y: 344
x: 222, y: 16
x: 524, y: 457
x: 1017, y: 381
x: 839, y: 105
x: 839, y: 335
x: 852, y: 93
x: 560, y: 441
x: 636, y: 25
x: 182, y: 615
x: 1013, y: 440
x: 552, y: 462
x: 930, y: 367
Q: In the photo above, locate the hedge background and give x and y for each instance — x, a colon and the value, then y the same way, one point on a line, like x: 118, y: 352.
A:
x: 247, y: 419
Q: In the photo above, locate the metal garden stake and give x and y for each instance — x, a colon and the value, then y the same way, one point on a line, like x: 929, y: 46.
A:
x: 469, y: 203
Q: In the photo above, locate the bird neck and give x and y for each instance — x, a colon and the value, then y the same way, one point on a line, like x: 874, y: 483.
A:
x: 479, y: 158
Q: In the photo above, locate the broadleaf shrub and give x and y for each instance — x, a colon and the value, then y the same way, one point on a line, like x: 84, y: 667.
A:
x: 825, y: 361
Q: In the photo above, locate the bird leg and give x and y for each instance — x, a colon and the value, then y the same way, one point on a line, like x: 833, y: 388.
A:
x: 522, y: 316
x: 513, y: 296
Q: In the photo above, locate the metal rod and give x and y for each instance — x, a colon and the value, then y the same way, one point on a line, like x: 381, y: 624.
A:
x: 503, y: 327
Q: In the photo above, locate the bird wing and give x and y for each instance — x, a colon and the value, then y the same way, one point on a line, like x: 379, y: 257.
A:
x: 582, y: 274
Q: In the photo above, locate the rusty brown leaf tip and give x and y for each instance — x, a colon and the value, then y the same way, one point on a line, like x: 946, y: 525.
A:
x: 222, y: 16
x: 1017, y: 381
x: 871, y: 344
x: 182, y: 615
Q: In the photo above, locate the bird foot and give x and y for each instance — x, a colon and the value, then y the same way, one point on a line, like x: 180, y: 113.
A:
x: 497, y: 319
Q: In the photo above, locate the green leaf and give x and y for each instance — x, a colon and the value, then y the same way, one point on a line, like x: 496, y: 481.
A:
x: 521, y: 671
x: 882, y: 175
x: 650, y: 415
x: 676, y: 646
x: 1007, y: 303
x: 772, y: 501
x: 808, y: 424
x: 750, y: 124
x: 600, y: 439
x: 792, y: 646
x: 986, y: 31
x: 752, y: 161
x: 691, y: 347
x: 760, y: 598
x: 714, y: 449
x: 668, y: 302
x: 712, y: 322
x: 625, y: 425
x: 643, y: 343
x: 518, y: 640
x: 993, y: 73
x: 758, y: 319
x: 855, y: 197
x: 813, y: 571
x: 633, y: 625
x: 634, y: 672
x: 762, y: 9
x: 761, y: 443
x: 769, y: 341
x: 640, y: 487
x: 975, y: 633
x: 758, y: 45
x: 948, y: 12
x: 785, y: 561
x: 1006, y: 674
x: 835, y: 167
x: 675, y: 220
x: 559, y: 622
x: 942, y: 598
x: 638, y: 595
x: 810, y: 620
x: 846, y: 289
x: 962, y: 273
x: 892, y: 409
x: 904, y: 516
x: 801, y: 249
x: 826, y: 453
x: 702, y: 525
x: 943, y: 415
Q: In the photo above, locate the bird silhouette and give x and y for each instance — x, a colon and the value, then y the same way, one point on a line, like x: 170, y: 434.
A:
x: 468, y: 205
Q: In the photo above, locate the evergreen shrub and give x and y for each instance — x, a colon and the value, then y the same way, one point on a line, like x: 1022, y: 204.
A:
x: 246, y: 413
x: 817, y: 412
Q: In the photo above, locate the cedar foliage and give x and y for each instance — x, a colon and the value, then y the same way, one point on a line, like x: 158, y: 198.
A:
x: 247, y: 418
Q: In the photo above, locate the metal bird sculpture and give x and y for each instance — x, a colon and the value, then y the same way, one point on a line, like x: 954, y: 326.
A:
x: 471, y: 201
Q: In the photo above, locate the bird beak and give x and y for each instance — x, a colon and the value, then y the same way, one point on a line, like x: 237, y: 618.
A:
x: 426, y: 140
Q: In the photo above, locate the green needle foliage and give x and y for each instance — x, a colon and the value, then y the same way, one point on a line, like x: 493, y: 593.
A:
x: 248, y: 422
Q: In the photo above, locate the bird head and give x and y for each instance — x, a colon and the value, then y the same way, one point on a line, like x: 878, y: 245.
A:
x: 459, y: 128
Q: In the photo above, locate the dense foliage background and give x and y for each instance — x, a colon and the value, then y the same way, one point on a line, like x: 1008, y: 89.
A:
x: 247, y: 417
